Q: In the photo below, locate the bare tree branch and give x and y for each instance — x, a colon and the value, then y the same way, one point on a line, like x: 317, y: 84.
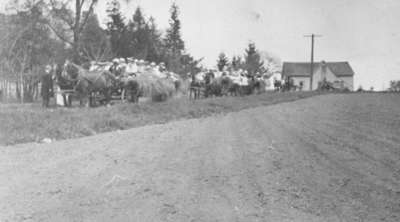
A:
x: 90, y: 11
x: 59, y: 35
x: 81, y: 4
x: 87, y: 54
x: 62, y: 13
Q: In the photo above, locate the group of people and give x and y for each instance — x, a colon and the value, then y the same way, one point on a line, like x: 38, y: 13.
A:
x: 227, y: 81
x: 121, y: 67
x: 239, y: 76
x: 232, y: 80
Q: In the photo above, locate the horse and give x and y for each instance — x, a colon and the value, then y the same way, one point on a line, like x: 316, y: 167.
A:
x: 217, y: 87
x: 258, y: 85
x: 234, y: 89
x: 277, y: 85
x: 64, y: 84
x: 89, y: 83
x: 131, y: 89
x: 196, y: 83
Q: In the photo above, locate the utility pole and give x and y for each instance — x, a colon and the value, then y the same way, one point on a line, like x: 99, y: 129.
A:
x: 312, y: 36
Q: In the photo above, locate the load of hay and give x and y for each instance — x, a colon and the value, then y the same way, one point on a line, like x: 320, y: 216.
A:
x: 158, y: 89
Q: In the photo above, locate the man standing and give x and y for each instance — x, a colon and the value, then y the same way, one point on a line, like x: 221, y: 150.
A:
x: 47, y: 86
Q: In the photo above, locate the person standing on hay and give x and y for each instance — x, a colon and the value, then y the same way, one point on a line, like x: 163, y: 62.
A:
x: 46, y: 86
x: 131, y: 68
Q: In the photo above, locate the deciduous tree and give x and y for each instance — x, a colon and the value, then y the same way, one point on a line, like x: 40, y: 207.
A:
x: 68, y: 20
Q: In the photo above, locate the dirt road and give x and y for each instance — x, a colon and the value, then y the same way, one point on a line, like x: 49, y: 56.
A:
x: 327, y: 158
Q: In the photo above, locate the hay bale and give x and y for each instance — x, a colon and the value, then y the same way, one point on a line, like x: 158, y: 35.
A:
x: 162, y: 90
x: 159, y: 89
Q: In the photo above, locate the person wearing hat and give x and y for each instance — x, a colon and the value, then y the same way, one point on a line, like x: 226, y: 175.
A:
x: 141, y: 66
x: 131, y: 68
x: 162, y: 67
x: 46, y: 86
x: 115, y: 68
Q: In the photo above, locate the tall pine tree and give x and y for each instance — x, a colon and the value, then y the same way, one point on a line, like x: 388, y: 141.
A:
x: 140, y: 36
x: 237, y: 62
x: 95, y: 44
x: 155, y: 43
x: 173, y: 40
x: 117, y: 30
x: 174, y: 47
x: 253, y: 62
x: 222, y: 61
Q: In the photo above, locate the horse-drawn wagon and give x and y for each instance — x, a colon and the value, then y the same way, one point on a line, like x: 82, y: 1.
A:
x: 90, y: 87
x: 99, y: 85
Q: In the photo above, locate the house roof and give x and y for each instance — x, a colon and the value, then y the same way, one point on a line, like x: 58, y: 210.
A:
x: 340, y: 69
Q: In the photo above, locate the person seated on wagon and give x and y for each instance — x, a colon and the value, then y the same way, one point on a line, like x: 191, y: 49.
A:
x: 115, y: 68
x: 141, y: 66
x: 162, y: 67
x: 131, y: 68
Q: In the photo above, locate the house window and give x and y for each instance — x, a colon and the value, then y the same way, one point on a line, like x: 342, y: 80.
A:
x: 338, y: 84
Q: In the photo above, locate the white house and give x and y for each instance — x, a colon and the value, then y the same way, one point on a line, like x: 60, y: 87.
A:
x: 340, y: 74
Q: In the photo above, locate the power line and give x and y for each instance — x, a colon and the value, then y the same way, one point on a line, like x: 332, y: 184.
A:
x: 312, y: 36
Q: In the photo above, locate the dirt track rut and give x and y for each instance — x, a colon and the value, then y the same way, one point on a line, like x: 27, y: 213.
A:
x: 327, y: 158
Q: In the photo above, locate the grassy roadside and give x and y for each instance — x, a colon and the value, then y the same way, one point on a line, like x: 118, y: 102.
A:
x: 30, y: 122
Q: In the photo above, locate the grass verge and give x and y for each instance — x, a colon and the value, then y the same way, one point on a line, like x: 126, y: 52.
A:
x: 30, y: 122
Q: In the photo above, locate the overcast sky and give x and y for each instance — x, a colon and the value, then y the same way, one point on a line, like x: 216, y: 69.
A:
x: 364, y: 32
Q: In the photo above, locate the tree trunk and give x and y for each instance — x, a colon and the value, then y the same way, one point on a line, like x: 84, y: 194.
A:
x: 76, y: 56
x: 22, y: 91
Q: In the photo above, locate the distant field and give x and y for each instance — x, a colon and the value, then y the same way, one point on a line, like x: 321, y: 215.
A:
x: 30, y: 122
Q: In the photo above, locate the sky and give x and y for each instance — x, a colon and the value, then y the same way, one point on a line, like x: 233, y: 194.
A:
x: 364, y: 32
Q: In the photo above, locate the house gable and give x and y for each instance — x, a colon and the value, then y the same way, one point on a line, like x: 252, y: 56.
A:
x: 339, y: 73
x: 291, y: 69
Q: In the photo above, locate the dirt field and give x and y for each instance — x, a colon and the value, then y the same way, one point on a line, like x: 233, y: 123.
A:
x: 325, y: 158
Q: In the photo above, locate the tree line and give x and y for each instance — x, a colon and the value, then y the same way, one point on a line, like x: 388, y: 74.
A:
x: 40, y: 32
x: 252, y: 61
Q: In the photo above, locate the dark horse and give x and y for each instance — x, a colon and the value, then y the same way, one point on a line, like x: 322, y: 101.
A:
x: 88, y: 84
x: 131, y: 89
x: 195, y: 87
